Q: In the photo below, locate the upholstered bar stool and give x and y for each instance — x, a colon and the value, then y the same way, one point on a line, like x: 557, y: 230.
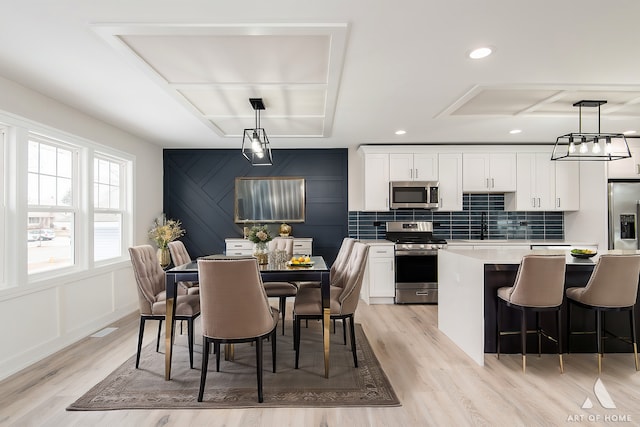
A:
x: 613, y: 286
x: 538, y: 287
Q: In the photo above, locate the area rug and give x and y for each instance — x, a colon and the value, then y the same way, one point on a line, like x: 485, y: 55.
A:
x: 235, y: 385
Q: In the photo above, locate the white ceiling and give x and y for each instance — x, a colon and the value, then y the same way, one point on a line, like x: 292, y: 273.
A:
x: 331, y: 73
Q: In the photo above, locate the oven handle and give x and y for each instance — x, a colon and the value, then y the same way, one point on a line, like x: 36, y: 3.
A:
x: 430, y: 252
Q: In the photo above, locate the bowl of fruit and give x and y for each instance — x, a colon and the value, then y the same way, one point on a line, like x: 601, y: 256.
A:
x: 583, y: 253
x: 300, y: 261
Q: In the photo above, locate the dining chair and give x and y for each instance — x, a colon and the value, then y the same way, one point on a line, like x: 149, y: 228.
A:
x: 180, y: 256
x: 538, y: 287
x: 235, y: 309
x: 343, y: 300
x: 612, y: 286
x: 150, y: 280
x: 281, y: 290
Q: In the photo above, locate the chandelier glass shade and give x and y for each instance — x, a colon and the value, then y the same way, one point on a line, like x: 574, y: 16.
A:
x: 255, y: 142
x: 590, y: 146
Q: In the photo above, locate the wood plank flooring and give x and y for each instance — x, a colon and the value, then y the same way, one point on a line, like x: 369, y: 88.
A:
x: 437, y: 384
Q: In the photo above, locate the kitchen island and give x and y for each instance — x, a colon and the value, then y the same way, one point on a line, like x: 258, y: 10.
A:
x: 468, y: 281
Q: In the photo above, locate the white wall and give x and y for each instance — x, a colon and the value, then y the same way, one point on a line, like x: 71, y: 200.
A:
x: 44, y: 318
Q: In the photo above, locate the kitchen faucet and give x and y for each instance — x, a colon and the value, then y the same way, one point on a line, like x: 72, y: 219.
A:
x: 483, y: 226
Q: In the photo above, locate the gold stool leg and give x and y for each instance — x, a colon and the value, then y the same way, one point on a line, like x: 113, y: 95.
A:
x: 561, y: 364
x: 635, y: 354
x: 599, y: 363
x: 524, y: 364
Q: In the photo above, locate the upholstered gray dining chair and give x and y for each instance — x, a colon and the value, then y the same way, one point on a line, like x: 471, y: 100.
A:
x: 538, y: 287
x: 235, y: 309
x: 343, y: 300
x: 180, y: 256
x: 150, y: 280
x: 612, y: 286
x: 281, y: 290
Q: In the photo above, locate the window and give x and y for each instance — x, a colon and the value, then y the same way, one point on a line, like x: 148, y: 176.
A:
x: 108, y: 207
x: 3, y: 204
x: 52, y: 205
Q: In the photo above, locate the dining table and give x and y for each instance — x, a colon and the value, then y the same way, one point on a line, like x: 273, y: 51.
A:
x: 314, y: 271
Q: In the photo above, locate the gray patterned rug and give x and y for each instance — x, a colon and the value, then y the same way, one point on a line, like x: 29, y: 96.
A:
x: 235, y: 385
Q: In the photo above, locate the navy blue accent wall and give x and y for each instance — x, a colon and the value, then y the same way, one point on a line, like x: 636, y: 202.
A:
x: 199, y: 191
x: 465, y: 224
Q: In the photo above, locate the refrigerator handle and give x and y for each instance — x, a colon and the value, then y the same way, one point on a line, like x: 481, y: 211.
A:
x: 636, y: 225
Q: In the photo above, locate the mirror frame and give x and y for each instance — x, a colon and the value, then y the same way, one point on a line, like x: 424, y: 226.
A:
x: 302, y: 186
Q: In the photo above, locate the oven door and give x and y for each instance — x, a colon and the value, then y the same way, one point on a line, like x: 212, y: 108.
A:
x: 416, y: 277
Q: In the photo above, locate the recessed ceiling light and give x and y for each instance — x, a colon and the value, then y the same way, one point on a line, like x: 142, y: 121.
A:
x: 629, y: 132
x: 515, y: 131
x: 481, y: 52
x: 401, y: 132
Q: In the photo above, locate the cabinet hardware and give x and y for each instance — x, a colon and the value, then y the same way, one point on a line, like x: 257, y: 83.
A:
x: 416, y: 173
x: 558, y: 202
x: 533, y: 202
x: 488, y: 183
x: 411, y: 173
x: 493, y: 183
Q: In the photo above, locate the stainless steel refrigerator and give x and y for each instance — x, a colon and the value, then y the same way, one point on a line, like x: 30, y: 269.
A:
x: 624, y: 204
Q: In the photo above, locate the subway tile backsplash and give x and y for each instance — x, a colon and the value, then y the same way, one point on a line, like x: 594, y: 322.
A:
x: 465, y: 224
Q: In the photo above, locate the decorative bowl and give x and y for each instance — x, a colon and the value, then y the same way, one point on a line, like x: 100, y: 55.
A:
x: 583, y: 253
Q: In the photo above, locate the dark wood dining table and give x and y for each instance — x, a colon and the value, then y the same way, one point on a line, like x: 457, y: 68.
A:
x: 318, y: 272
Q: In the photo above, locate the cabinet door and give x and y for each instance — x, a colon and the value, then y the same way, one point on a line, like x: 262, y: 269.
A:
x: 401, y: 167
x: 475, y: 175
x: 502, y: 173
x: 567, y: 186
x: 450, y: 178
x: 425, y: 167
x: 626, y: 168
x: 545, y: 178
x: 302, y: 246
x: 381, y: 277
x: 376, y: 182
x: 525, y: 182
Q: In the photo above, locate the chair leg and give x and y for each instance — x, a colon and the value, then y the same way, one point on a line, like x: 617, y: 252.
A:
x: 296, y: 343
x: 334, y: 326
x: 539, y: 333
x: 568, y: 329
x: 283, y: 310
x: 205, y: 364
x: 633, y: 335
x: 216, y: 350
x: 190, y: 338
x: 523, y: 336
x: 259, y: 366
x: 273, y: 351
x: 498, y: 317
x: 140, y: 335
x: 558, y: 328
x: 599, y: 338
x: 352, y: 330
x: 344, y: 330
x: 158, y: 340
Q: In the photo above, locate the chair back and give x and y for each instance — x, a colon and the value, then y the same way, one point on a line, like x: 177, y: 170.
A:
x: 233, y: 302
x: 282, y: 244
x: 179, y: 253
x: 338, y: 268
x: 539, y: 281
x: 614, y: 281
x: 353, y: 276
x: 150, y: 277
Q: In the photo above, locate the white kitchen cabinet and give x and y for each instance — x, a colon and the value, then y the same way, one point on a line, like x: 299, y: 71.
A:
x: 626, y: 168
x: 376, y: 182
x: 545, y: 185
x: 450, y: 179
x: 413, y: 167
x: 244, y: 247
x: 488, y: 172
x: 379, y: 280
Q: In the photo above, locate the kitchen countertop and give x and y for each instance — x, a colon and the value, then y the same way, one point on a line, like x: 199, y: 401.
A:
x: 519, y: 242
x: 514, y: 256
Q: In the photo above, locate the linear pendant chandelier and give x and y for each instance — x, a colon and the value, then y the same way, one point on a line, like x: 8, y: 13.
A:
x: 255, y: 143
x: 591, y: 146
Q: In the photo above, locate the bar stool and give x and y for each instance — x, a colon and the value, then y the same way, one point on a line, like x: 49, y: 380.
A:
x: 613, y: 286
x: 539, y: 286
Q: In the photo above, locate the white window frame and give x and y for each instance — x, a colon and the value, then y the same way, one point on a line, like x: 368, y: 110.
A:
x: 3, y: 205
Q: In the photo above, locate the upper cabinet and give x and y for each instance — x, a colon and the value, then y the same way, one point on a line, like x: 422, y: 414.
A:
x: 450, y: 178
x: 545, y: 185
x: 376, y: 182
x: 489, y: 172
x: 626, y: 168
x: 413, y: 167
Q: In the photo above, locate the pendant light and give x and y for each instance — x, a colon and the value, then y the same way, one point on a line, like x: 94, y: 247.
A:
x: 590, y: 146
x: 255, y: 143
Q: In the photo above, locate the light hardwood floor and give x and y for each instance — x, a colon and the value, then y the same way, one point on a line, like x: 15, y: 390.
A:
x: 437, y: 384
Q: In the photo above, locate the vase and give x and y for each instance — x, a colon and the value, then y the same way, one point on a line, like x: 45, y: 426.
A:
x: 285, y: 230
x: 164, y: 257
x: 261, y: 253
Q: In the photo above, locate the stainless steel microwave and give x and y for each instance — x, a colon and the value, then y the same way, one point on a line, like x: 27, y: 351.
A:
x: 413, y: 195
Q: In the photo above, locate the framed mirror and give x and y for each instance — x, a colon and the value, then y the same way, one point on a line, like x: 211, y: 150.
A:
x: 269, y: 199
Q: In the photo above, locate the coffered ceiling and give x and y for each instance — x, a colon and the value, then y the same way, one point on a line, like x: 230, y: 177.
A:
x: 332, y: 73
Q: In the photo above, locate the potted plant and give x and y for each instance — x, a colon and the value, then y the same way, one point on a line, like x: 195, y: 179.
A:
x: 165, y: 231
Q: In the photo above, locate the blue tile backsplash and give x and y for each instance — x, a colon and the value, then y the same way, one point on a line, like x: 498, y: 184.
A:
x: 465, y: 224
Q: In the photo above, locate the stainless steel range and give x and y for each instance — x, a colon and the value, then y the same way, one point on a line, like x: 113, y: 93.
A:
x: 416, y: 261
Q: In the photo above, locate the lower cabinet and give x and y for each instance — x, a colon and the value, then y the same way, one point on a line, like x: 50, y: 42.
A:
x: 379, y: 281
x: 243, y: 247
